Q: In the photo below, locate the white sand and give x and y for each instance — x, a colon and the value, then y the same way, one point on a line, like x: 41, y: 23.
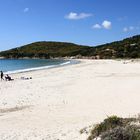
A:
x: 58, y: 102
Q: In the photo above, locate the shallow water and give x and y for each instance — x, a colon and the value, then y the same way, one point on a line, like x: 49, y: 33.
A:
x: 20, y: 65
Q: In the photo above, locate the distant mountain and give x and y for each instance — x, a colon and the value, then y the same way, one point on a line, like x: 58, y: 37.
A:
x: 127, y: 48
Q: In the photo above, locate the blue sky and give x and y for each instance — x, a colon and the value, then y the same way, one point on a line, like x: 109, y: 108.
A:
x: 85, y: 22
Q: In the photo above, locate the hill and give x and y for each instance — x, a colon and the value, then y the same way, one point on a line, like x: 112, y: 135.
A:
x: 45, y: 50
x: 127, y: 48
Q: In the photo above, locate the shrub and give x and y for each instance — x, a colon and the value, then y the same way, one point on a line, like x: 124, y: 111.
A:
x: 122, y: 133
x: 115, y: 128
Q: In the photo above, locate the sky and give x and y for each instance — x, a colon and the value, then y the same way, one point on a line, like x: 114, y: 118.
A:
x: 84, y: 22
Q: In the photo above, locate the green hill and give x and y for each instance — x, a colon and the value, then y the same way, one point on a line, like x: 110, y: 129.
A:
x: 45, y: 50
x: 127, y: 48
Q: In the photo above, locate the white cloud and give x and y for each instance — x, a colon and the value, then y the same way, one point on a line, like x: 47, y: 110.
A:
x: 26, y: 10
x: 125, y: 29
x: 97, y: 26
x: 106, y: 24
x: 130, y: 28
x: 76, y: 16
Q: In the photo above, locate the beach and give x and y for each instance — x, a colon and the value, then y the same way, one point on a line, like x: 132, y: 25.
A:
x: 57, y: 103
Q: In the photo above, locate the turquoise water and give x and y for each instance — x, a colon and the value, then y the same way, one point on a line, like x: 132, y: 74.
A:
x: 21, y: 65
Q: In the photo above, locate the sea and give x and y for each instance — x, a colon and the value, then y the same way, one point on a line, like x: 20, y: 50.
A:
x: 10, y: 66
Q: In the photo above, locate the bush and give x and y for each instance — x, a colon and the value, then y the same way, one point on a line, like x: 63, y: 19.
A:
x: 122, y: 133
x: 115, y: 128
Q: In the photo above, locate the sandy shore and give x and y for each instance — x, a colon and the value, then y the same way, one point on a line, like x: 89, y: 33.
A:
x: 58, y: 102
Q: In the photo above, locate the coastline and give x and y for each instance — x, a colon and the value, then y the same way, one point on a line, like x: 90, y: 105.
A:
x: 22, y: 70
x: 57, y: 103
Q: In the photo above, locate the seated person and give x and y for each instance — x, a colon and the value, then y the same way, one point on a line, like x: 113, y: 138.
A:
x: 8, y: 78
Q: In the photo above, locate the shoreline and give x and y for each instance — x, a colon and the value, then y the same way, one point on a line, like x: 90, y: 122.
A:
x: 67, y: 62
x: 57, y: 103
x: 70, y: 61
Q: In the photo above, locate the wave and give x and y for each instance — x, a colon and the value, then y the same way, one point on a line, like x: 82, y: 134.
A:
x: 37, y: 68
x: 65, y: 63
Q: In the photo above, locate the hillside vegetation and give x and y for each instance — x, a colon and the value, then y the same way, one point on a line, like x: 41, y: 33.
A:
x: 45, y: 50
x: 127, y: 48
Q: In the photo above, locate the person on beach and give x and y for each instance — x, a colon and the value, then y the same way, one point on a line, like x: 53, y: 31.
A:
x: 1, y: 74
x: 8, y: 78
